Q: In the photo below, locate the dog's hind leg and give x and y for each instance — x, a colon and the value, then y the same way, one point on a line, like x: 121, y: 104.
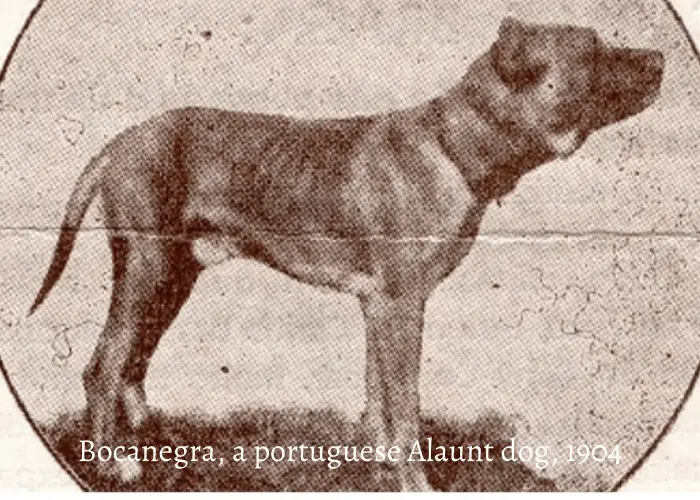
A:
x: 171, y: 291
x: 153, y: 276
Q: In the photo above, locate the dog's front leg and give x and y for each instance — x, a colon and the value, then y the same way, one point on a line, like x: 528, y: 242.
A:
x: 374, y: 422
x: 394, y: 336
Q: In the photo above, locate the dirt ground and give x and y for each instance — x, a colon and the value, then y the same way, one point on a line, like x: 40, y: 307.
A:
x: 575, y: 318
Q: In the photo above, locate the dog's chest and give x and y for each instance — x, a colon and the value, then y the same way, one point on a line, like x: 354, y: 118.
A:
x: 412, y: 190
x: 454, y: 199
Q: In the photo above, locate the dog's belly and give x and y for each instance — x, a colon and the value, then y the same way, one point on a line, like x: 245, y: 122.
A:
x: 316, y: 261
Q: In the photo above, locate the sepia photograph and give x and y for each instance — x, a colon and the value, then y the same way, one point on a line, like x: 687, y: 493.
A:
x: 319, y: 245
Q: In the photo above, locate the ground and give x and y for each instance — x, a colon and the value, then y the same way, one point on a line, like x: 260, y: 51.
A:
x: 290, y: 428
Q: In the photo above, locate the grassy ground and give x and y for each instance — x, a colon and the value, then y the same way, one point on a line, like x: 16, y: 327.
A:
x: 286, y: 428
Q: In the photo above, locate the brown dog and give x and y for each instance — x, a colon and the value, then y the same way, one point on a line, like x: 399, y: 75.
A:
x: 383, y: 207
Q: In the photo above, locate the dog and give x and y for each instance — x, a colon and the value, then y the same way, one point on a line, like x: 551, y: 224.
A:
x: 382, y: 207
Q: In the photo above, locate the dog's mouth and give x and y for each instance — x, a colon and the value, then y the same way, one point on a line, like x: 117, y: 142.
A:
x: 568, y: 132
x: 629, y: 81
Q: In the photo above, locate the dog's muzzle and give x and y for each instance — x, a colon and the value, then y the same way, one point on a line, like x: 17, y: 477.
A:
x: 627, y: 82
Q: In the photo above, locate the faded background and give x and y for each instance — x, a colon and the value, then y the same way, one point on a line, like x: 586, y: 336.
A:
x: 576, y: 314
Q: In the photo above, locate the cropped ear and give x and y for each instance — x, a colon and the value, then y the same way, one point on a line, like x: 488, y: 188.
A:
x: 510, y: 56
x: 510, y: 25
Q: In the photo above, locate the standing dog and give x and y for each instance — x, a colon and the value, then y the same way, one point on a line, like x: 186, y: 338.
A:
x: 383, y: 207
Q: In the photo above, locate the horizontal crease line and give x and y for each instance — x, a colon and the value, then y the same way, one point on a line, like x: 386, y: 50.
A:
x: 492, y: 235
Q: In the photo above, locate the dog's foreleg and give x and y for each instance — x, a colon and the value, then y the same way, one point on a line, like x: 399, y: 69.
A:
x: 374, y: 422
x: 395, y: 327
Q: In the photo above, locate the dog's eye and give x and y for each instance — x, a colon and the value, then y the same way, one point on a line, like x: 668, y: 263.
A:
x: 529, y: 76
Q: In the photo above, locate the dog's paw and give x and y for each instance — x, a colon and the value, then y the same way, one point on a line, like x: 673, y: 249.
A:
x: 412, y: 478
x: 129, y: 471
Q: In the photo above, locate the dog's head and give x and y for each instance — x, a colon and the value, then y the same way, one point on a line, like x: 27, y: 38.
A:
x: 560, y: 83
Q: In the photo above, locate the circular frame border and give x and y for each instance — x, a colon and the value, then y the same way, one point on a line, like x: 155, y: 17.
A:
x: 616, y: 486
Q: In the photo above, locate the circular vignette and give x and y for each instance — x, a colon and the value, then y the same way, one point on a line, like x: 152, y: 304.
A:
x: 621, y: 482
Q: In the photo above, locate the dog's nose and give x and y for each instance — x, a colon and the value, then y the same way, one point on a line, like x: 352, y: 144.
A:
x: 651, y: 68
x: 655, y: 69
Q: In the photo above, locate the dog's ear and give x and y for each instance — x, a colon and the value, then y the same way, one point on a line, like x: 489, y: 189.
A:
x: 510, y: 56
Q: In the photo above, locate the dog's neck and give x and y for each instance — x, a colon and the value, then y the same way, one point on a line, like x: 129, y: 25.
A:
x: 491, y: 152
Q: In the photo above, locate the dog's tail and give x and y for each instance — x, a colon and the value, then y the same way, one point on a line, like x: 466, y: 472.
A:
x: 83, y: 193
